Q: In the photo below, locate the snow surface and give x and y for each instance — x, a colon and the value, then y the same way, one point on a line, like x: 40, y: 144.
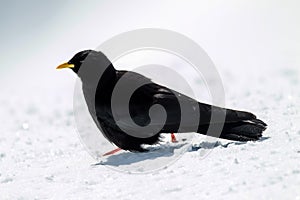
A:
x: 42, y: 156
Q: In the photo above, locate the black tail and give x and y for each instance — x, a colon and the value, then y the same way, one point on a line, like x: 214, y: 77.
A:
x: 243, y: 131
x: 245, y: 127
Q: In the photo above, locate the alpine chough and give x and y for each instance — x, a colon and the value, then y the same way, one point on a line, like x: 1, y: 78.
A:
x: 99, y: 78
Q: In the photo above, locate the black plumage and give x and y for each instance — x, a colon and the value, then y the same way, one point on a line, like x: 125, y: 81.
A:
x: 91, y: 66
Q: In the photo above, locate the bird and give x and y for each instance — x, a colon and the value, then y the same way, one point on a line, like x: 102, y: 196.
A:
x: 98, y: 91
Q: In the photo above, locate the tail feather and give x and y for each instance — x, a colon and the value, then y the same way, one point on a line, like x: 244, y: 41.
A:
x: 244, y: 130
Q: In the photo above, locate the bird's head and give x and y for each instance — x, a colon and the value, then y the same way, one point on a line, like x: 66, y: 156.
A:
x: 89, y: 65
x: 77, y: 60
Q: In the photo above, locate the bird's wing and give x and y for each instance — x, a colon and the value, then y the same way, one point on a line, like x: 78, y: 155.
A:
x: 181, y: 111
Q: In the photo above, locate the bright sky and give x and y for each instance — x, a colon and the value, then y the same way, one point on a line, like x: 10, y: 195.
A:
x: 233, y: 32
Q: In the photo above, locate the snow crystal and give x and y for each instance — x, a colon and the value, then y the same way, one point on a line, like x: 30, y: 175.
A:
x: 25, y: 126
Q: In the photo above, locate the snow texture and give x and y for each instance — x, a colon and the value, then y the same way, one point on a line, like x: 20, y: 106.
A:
x: 42, y: 157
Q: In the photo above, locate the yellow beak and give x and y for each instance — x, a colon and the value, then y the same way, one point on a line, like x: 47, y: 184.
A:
x: 65, y: 65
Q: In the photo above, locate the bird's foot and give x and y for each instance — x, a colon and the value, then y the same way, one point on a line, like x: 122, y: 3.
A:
x: 112, y: 152
x: 173, y: 138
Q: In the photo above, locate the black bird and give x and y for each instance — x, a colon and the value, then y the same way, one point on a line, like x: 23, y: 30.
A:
x: 99, y: 79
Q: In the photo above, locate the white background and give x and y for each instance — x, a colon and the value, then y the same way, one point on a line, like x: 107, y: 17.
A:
x: 254, y: 45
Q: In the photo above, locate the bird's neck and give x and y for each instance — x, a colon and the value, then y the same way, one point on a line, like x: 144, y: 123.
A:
x: 109, y: 76
x: 96, y: 76
x: 96, y: 83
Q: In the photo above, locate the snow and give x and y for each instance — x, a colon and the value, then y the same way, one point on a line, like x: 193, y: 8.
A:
x: 42, y: 156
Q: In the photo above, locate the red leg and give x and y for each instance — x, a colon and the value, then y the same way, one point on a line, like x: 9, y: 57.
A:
x: 173, y: 138
x: 112, y: 152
